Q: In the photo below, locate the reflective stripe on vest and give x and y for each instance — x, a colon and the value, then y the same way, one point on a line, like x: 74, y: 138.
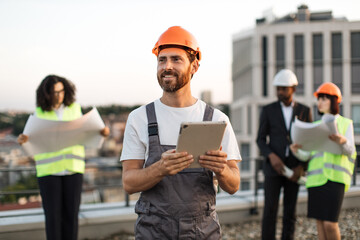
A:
x: 70, y: 158
x: 314, y: 172
x: 325, y: 166
x: 352, y: 160
x: 321, y: 154
x: 57, y: 158
x: 331, y: 166
x: 317, y: 155
x: 337, y: 168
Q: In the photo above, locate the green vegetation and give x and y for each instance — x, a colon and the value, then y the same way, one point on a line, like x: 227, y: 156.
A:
x: 225, y: 108
x: 25, y: 183
x: 16, y: 122
x: 111, y: 109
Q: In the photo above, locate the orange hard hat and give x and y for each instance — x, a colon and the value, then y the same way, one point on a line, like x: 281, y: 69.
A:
x: 330, y: 89
x: 179, y: 37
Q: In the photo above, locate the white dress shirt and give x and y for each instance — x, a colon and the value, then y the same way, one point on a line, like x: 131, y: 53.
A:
x: 287, y: 112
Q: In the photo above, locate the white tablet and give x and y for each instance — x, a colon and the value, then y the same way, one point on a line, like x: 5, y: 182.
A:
x: 197, y: 138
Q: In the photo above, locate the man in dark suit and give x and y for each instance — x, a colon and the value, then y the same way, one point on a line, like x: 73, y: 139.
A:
x: 275, y: 123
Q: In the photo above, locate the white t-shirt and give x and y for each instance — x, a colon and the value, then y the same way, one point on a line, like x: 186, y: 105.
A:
x: 136, y: 139
x: 59, y: 112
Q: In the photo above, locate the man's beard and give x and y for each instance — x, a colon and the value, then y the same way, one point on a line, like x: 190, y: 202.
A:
x: 283, y: 98
x: 181, y: 80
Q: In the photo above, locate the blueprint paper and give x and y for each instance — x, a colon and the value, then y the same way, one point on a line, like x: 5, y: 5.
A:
x: 49, y: 136
x: 289, y: 173
x: 315, y: 136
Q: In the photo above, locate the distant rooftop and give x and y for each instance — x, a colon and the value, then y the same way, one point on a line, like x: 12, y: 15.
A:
x: 302, y: 15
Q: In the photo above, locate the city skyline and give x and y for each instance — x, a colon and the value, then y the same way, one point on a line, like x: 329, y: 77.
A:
x: 104, y: 47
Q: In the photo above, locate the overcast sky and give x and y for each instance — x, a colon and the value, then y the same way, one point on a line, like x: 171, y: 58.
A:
x: 104, y: 46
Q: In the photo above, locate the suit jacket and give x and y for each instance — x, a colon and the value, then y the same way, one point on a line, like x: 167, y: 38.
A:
x: 272, y: 125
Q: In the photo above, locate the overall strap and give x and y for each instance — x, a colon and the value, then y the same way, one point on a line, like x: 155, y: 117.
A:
x: 152, y: 124
x: 208, y: 114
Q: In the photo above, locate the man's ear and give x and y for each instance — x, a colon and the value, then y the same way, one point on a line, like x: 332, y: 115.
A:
x: 195, y: 66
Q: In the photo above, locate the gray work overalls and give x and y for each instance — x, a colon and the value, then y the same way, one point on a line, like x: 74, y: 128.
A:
x: 180, y: 206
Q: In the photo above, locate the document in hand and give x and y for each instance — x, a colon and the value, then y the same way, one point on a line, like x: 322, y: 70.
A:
x: 50, y: 136
x: 315, y: 136
x: 289, y: 173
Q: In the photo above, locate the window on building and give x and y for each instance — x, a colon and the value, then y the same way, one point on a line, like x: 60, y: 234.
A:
x: 259, y: 111
x: 355, y: 62
x: 299, y: 62
x: 355, y: 116
x: 316, y: 116
x: 249, y: 122
x: 318, y: 73
x: 280, y: 52
x: 241, y: 68
x: 336, y: 59
x: 245, y: 185
x: 264, y: 65
x: 245, y: 155
x: 357, y: 164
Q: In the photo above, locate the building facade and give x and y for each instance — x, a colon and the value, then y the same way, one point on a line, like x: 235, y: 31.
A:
x: 316, y: 46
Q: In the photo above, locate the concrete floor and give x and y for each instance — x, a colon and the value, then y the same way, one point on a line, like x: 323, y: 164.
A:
x: 100, y: 220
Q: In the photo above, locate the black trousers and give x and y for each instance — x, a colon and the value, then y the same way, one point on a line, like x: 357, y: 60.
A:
x: 272, y: 188
x: 61, y: 197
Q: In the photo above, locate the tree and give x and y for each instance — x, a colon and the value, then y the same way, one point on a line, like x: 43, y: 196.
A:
x: 25, y: 183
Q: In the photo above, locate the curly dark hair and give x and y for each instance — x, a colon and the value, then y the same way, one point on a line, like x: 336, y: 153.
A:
x: 45, y: 91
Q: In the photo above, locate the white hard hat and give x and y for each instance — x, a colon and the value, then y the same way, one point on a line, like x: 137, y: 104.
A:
x: 285, y: 78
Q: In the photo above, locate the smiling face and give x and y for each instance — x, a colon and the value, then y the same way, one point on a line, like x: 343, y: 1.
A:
x: 174, y: 69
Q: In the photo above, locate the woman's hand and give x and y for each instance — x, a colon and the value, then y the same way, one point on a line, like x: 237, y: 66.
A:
x: 295, y: 147
x: 338, y: 138
x: 105, y: 132
x: 22, y: 139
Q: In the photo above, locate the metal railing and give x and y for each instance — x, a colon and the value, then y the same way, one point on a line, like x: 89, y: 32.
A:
x: 259, y: 167
x: 32, y: 169
x: 256, y: 173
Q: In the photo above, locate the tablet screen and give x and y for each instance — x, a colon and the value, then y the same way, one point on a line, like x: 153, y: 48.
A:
x: 197, y: 138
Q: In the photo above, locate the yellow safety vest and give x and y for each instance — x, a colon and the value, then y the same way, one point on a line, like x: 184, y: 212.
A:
x: 70, y: 158
x: 325, y: 166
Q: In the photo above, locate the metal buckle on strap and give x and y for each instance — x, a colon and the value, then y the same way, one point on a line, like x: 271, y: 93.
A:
x: 153, y: 129
x: 208, y: 210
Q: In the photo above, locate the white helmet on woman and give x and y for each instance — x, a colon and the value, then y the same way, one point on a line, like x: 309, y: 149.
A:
x: 285, y: 78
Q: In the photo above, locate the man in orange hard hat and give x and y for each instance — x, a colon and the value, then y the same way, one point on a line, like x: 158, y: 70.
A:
x: 275, y: 125
x: 176, y: 202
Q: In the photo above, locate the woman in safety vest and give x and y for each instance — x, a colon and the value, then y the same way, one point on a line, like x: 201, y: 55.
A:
x: 329, y: 175
x: 60, y: 174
